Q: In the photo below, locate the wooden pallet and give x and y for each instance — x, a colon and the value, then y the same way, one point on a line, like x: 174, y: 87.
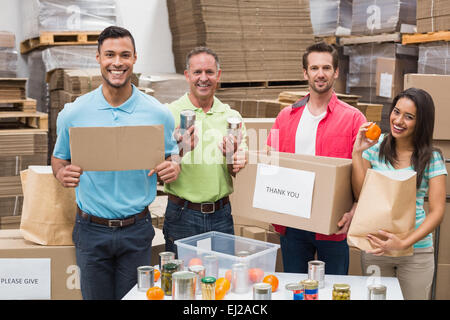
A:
x: 28, y: 105
x: 23, y: 120
x: 426, y: 37
x: 385, y: 37
x: 48, y: 38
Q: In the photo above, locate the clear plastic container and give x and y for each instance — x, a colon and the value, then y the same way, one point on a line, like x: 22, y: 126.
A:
x: 227, y: 247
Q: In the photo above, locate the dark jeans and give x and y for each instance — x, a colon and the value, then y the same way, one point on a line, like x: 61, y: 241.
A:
x: 108, y: 257
x: 299, y: 246
x: 181, y: 222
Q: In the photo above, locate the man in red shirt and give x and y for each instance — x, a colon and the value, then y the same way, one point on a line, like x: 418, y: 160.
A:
x: 321, y: 125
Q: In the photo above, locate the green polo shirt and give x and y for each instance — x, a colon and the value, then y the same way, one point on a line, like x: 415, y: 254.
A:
x: 204, y: 176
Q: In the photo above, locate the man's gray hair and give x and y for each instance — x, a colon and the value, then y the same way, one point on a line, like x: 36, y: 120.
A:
x: 198, y: 50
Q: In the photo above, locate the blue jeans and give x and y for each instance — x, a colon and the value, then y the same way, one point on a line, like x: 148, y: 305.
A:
x: 299, y: 246
x: 181, y: 222
x: 108, y: 257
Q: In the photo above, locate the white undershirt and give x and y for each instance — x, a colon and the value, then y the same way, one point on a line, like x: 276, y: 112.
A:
x: 305, y: 137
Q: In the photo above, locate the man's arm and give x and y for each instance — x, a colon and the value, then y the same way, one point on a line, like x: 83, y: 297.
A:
x: 66, y: 173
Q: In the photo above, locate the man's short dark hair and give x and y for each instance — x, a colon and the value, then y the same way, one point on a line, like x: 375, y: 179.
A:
x: 114, y: 32
x: 321, y: 47
x: 198, y: 50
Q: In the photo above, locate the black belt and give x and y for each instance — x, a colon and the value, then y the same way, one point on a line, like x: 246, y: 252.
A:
x: 204, y: 207
x: 113, y: 222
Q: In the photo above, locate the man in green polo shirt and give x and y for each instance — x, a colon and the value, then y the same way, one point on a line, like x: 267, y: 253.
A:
x: 198, y: 200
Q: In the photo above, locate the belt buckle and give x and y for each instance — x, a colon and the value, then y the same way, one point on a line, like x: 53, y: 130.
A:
x: 115, y: 223
x: 208, y: 203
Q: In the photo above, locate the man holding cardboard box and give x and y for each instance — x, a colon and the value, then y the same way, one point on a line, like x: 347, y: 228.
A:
x: 198, y: 200
x: 113, y: 231
x: 320, y: 125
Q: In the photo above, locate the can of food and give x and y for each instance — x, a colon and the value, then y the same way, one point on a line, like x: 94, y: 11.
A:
x: 311, y: 289
x: 187, y: 119
x: 341, y: 291
x: 179, y: 263
x: 145, y: 277
x: 183, y: 285
x: 234, y: 126
x: 165, y: 257
x: 166, y: 277
x: 262, y: 291
x: 376, y: 292
x: 199, y: 271
x: 239, y: 278
x: 294, y: 291
x: 208, y: 288
x: 316, y: 271
x: 211, y: 263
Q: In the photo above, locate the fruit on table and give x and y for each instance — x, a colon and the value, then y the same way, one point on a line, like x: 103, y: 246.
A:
x: 273, y: 280
x: 220, y: 292
x: 228, y: 275
x: 222, y: 282
x: 255, y: 274
x: 155, y: 293
x: 195, y: 262
x: 157, y: 274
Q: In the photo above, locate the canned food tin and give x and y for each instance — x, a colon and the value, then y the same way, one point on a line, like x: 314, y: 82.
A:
x: 239, y: 278
x: 341, y: 291
x: 294, y: 291
x: 145, y: 276
x: 311, y: 289
x: 187, y: 119
x: 165, y: 257
x: 183, y: 285
x: 316, y: 271
x: 262, y: 291
x: 376, y: 292
x: 242, y: 253
x: 211, y: 263
x: 200, y: 274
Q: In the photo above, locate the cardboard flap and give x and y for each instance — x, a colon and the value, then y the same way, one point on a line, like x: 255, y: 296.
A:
x: 117, y: 148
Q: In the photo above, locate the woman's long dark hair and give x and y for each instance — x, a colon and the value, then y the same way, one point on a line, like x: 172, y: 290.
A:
x: 422, y: 136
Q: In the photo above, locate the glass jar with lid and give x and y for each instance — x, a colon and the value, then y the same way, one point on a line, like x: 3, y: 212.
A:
x: 341, y: 291
x: 166, y: 277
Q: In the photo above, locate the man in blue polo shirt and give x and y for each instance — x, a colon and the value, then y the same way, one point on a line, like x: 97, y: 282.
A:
x: 113, y: 231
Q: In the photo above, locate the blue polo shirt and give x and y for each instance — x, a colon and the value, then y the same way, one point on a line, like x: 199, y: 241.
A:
x: 114, y: 194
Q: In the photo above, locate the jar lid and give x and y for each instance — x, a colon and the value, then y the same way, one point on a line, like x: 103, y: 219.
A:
x: 170, y: 266
x: 341, y: 287
x: 310, y: 284
x: 209, y: 280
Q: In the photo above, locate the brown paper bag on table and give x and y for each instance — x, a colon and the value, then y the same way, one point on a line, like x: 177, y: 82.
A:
x: 387, y: 202
x: 49, y: 209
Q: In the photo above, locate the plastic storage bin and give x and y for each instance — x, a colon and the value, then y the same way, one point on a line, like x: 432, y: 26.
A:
x: 229, y: 250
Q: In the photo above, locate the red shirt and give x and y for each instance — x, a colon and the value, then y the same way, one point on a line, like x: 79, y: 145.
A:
x: 336, y: 134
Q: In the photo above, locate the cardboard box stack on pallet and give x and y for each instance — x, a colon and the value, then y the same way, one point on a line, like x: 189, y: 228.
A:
x: 23, y: 142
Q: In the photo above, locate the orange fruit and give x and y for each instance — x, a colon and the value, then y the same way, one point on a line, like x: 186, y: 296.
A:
x: 255, y: 274
x: 373, y: 132
x: 220, y: 292
x: 228, y: 275
x: 157, y: 274
x: 195, y: 262
x: 222, y: 282
x: 155, y: 293
x: 273, y: 280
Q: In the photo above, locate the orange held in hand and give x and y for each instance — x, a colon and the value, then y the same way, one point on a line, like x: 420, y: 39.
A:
x: 373, y: 132
x: 255, y: 274
x: 222, y: 282
x: 155, y: 293
x: 273, y: 280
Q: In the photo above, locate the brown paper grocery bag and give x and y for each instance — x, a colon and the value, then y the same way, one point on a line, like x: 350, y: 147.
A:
x: 49, y: 209
x: 387, y: 202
